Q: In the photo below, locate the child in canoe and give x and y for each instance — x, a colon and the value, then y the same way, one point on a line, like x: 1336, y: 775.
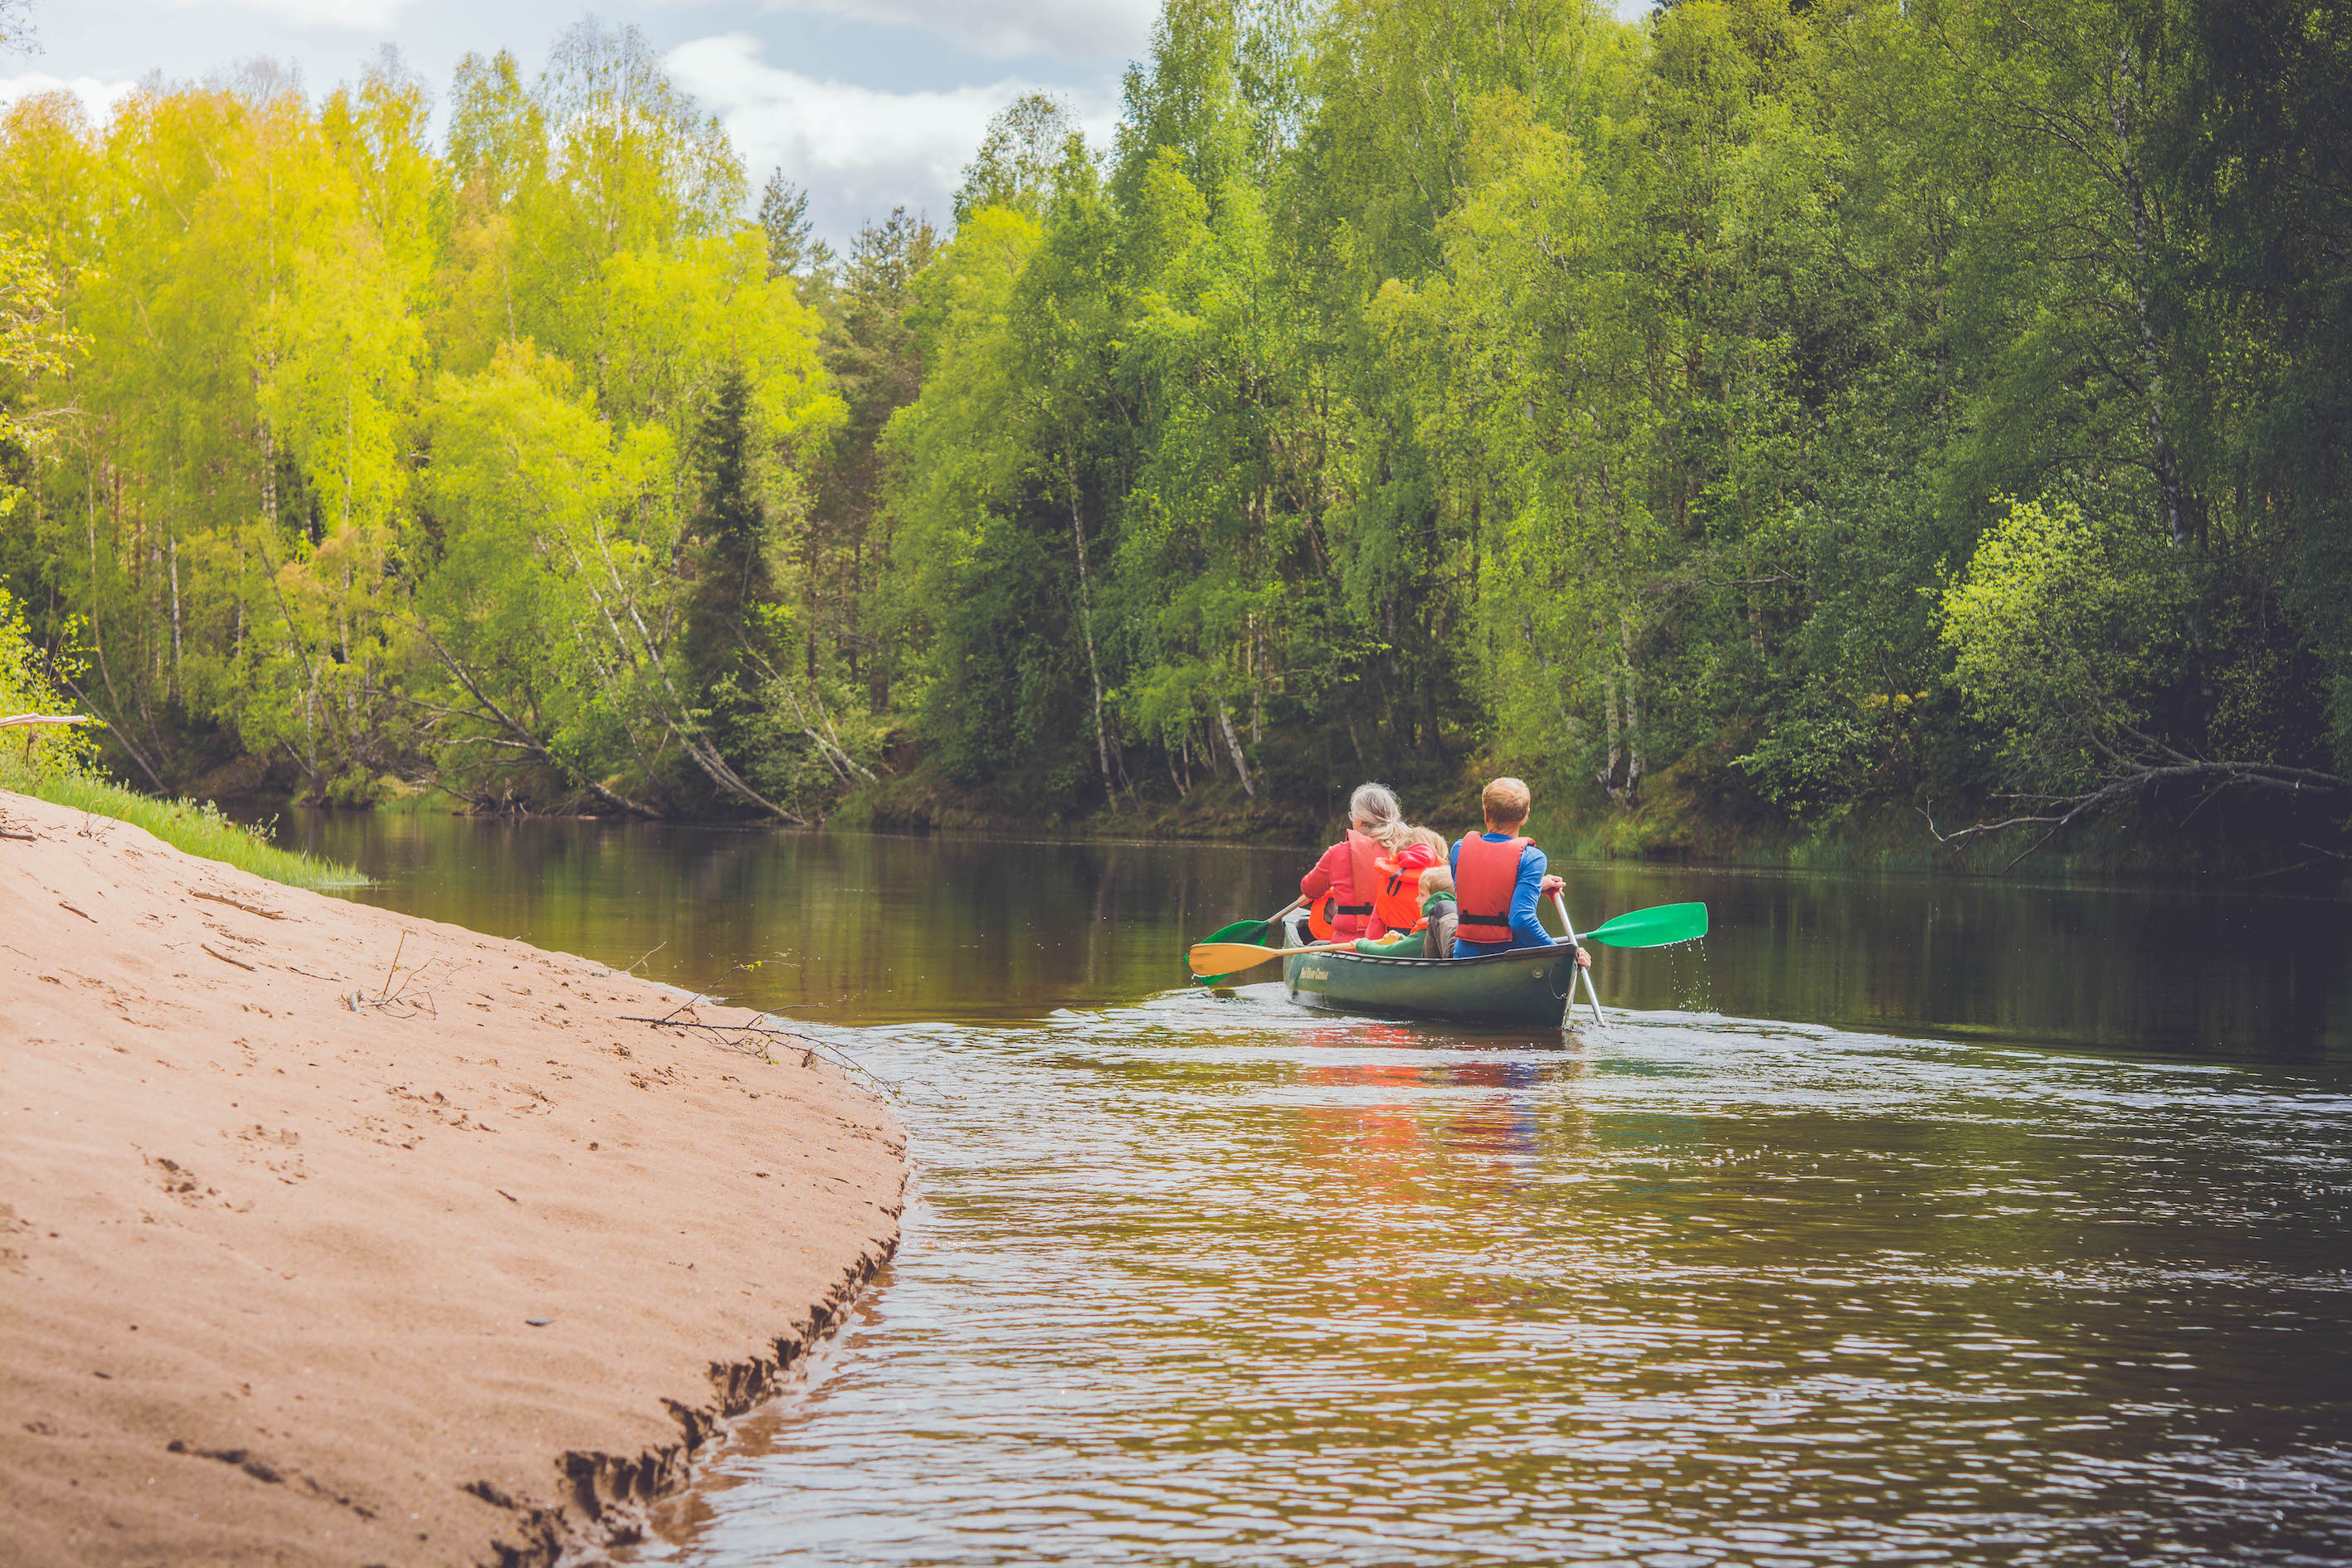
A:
x: 1499, y: 879
x: 1432, y: 937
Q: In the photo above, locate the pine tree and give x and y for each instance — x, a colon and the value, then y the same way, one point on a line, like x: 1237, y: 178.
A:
x: 730, y: 528
x: 792, y: 249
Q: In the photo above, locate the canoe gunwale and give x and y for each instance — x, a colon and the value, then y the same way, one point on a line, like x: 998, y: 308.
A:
x: 1441, y: 963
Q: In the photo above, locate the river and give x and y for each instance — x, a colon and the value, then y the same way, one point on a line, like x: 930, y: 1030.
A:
x: 1904, y: 1220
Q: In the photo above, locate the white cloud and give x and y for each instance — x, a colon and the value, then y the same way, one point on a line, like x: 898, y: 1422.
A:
x: 1067, y: 29
x: 98, y: 97
x: 860, y: 150
x: 357, y: 16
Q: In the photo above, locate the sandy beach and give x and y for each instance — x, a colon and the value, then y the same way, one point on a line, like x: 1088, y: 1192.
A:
x: 463, y: 1271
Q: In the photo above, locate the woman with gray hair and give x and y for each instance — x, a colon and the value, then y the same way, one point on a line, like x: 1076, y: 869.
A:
x: 1338, y: 890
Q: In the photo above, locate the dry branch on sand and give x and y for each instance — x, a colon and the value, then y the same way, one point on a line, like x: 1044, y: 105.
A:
x: 758, y: 1040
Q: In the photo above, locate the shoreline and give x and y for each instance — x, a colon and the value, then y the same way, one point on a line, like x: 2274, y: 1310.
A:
x: 1671, y: 827
x: 1570, y: 842
x: 312, y: 1260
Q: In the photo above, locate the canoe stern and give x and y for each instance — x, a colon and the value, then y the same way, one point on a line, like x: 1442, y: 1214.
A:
x: 1527, y: 986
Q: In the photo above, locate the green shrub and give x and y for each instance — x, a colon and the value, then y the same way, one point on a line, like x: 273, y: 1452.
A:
x: 60, y: 764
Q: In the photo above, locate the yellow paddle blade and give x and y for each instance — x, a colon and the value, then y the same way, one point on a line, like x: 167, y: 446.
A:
x: 1228, y: 957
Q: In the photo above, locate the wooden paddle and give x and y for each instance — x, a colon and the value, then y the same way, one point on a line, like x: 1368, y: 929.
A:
x: 1250, y: 931
x: 1223, y: 958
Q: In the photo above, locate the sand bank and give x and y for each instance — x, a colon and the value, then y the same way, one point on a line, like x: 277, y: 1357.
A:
x: 464, y: 1278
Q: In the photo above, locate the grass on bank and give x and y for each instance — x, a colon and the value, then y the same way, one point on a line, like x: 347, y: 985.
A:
x: 58, y: 764
x: 198, y: 828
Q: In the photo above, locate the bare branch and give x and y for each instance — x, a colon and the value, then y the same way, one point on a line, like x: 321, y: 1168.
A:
x: 2151, y: 763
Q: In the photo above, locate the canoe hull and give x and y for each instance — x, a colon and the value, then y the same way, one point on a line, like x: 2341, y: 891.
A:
x: 1530, y: 986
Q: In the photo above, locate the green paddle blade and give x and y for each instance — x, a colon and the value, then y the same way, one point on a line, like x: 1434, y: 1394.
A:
x: 1653, y: 928
x: 1250, y: 931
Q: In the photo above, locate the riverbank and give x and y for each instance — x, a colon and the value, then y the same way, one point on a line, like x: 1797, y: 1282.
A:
x: 466, y: 1270
x: 2250, y: 840
x: 197, y: 826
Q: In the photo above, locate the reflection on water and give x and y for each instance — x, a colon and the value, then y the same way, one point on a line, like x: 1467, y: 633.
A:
x: 859, y: 928
x: 843, y: 926
x: 1192, y: 1281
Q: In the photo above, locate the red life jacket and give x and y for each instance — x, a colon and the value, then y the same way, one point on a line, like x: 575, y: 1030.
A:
x: 1343, y: 912
x: 1396, y: 897
x: 1485, y: 876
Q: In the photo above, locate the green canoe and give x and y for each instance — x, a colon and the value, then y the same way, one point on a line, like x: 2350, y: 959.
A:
x: 1528, y: 985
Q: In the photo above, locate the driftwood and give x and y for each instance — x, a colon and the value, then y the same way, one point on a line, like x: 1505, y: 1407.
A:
x: 755, y: 1040
x: 235, y: 904
x: 15, y: 720
x: 29, y: 722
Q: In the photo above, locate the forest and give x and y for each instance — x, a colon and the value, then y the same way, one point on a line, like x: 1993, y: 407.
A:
x: 1767, y: 423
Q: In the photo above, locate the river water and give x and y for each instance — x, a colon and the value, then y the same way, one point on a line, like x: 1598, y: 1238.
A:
x: 1905, y: 1221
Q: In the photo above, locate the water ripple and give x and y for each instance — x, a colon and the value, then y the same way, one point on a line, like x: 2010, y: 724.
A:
x: 1225, y: 1282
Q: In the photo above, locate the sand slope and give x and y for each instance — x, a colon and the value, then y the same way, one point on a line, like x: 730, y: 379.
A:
x: 267, y: 1263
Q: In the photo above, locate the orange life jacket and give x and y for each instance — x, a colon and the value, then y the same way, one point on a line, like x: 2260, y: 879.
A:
x: 1343, y: 912
x: 1485, y: 876
x: 1396, y: 897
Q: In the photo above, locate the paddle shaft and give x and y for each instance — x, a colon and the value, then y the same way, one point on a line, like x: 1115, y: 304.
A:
x: 1582, y: 973
x: 1666, y: 924
x: 1223, y: 958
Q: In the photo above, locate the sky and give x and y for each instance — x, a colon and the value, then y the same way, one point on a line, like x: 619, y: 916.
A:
x: 868, y: 103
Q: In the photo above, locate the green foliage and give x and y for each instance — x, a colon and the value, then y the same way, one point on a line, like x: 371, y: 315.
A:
x: 1019, y: 157
x: 58, y: 764
x: 385, y: 464
x: 1820, y: 757
x: 1503, y: 387
x: 33, y: 756
x: 1409, y: 390
x: 2061, y: 633
x: 793, y: 251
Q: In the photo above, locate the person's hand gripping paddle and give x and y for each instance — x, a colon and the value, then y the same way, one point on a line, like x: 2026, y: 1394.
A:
x: 1656, y: 927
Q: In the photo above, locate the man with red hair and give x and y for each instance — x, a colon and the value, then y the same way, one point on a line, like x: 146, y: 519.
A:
x: 1499, y: 879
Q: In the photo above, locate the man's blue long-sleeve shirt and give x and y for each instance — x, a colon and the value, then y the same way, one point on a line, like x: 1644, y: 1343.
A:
x: 1527, y: 931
